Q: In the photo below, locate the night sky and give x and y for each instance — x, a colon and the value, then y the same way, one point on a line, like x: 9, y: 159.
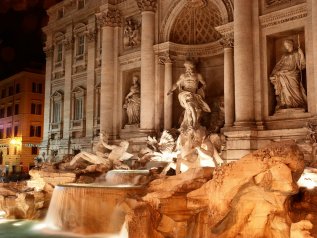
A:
x: 21, y: 38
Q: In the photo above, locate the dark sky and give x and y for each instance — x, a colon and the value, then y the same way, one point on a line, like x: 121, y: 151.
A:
x: 21, y: 38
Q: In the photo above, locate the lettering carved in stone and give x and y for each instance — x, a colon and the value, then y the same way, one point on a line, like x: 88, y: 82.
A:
x: 147, y: 5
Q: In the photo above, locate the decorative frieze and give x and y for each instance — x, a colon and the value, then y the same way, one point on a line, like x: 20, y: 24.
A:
x: 147, y: 5
x: 130, y: 58
x: 111, y: 17
x: 225, y: 30
x: 210, y: 49
x: 283, y: 16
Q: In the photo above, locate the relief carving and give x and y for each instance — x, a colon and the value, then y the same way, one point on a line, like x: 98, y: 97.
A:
x: 132, y: 33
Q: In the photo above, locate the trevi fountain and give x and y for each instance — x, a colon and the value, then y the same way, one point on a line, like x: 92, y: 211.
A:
x: 204, y: 123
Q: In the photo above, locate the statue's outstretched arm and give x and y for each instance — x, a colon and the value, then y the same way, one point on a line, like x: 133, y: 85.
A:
x: 175, y: 85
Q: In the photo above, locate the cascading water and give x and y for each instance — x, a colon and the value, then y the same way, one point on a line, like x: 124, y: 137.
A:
x: 94, y: 208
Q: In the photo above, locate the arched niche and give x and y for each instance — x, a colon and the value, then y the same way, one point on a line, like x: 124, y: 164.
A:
x: 224, y: 7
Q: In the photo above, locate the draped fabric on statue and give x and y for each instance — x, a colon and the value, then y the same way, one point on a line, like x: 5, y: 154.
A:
x: 196, y: 99
x: 133, y: 109
x: 287, y: 83
x: 133, y: 104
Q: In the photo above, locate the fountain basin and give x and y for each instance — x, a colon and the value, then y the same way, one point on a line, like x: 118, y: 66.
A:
x: 89, y: 208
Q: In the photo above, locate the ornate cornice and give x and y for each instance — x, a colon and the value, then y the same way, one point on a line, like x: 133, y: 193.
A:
x: 130, y: 58
x: 225, y: 30
x: 110, y: 17
x: 147, y: 5
x: 227, y: 42
x: 284, y: 15
x: 210, y: 49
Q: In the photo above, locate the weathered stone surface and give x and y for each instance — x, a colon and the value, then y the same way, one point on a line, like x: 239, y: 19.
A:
x: 247, y: 198
x: 40, y: 178
x: 20, y: 202
x: 244, y: 199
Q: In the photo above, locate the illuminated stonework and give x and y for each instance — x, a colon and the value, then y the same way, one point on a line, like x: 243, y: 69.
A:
x: 195, y: 24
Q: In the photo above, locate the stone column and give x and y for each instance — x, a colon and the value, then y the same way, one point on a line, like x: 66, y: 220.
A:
x: 227, y: 43
x: 109, y: 19
x: 314, y: 45
x: 68, y: 48
x: 147, y: 115
x: 168, y: 99
x: 47, y: 103
x: 243, y: 64
x: 90, y: 82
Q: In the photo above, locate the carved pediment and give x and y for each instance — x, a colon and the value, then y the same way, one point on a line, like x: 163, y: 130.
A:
x: 58, y: 94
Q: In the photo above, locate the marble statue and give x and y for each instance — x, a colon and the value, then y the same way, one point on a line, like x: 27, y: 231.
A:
x: 113, y: 159
x: 191, y: 96
x: 131, y: 34
x: 133, y: 102
x: 287, y: 78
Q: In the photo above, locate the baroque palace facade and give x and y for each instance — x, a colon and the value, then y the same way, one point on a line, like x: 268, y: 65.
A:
x: 105, y: 55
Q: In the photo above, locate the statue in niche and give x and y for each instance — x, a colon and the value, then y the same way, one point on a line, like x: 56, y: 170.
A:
x: 131, y: 33
x: 287, y: 78
x: 133, y: 102
x: 191, y: 96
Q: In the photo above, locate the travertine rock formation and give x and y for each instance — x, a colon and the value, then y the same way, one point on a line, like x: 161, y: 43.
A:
x: 248, y: 198
x: 20, y: 202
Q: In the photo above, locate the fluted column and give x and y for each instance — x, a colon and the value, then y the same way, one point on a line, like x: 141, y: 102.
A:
x: 168, y: 99
x: 147, y: 115
x: 227, y: 43
x: 108, y: 19
x: 48, y: 77
x: 91, y: 53
x: 68, y: 46
x: 314, y: 47
x: 243, y: 63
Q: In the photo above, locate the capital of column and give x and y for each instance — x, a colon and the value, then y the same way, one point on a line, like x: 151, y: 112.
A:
x: 68, y: 43
x: 111, y: 17
x: 91, y: 35
x: 147, y: 5
x: 165, y: 59
x: 227, y: 42
x: 48, y: 50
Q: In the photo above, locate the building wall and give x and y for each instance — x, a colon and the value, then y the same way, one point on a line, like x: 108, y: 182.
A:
x: 23, y: 117
x: 250, y: 36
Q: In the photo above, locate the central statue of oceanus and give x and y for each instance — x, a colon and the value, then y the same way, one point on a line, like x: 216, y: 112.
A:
x: 191, y: 96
